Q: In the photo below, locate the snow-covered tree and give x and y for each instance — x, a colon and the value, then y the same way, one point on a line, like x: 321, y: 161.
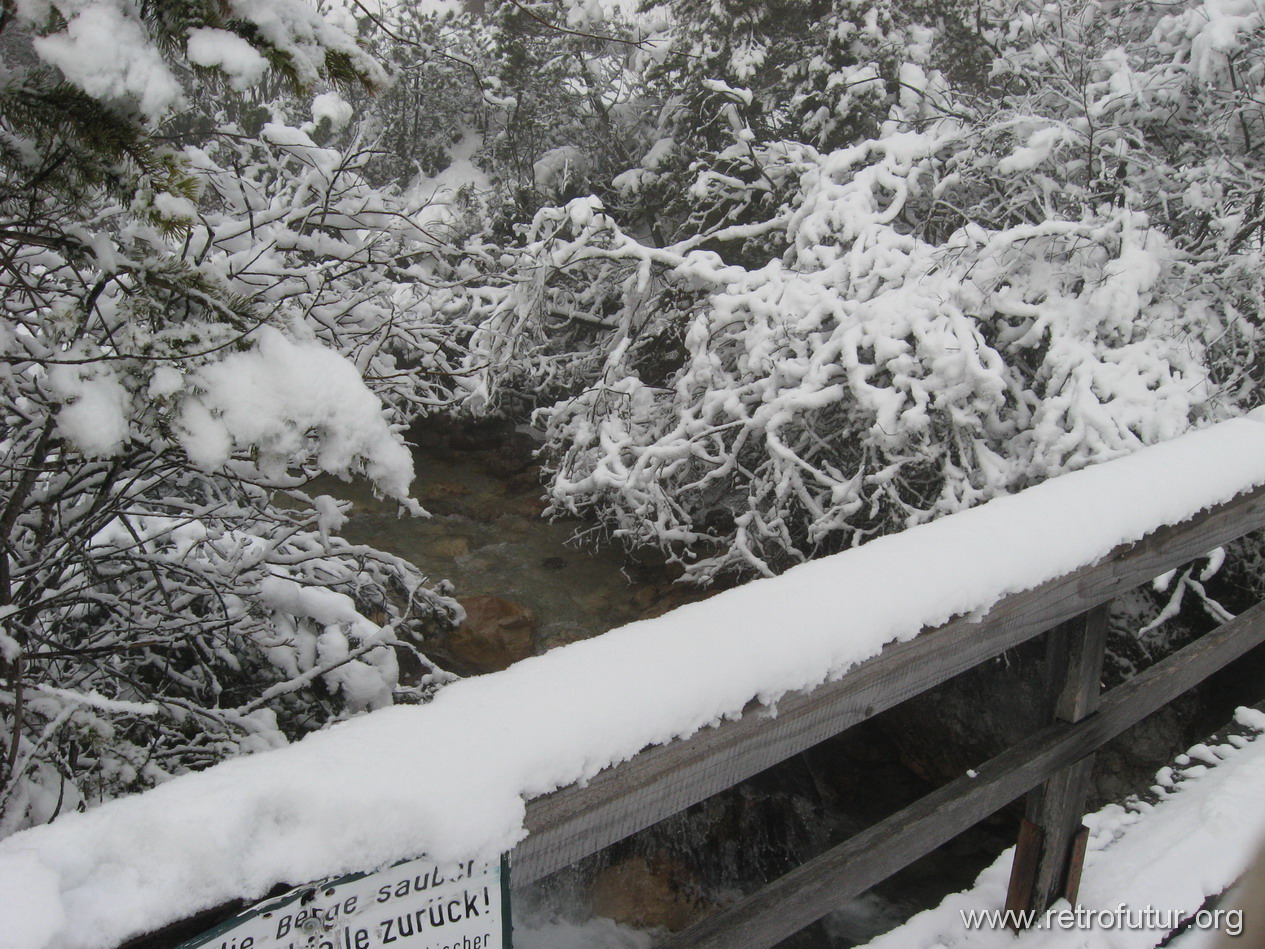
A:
x: 741, y: 88
x: 533, y: 103
x: 172, y: 351
x: 977, y: 292
x: 434, y: 103
x: 530, y: 93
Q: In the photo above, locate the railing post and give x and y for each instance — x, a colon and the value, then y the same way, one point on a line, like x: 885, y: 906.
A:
x: 1052, y: 840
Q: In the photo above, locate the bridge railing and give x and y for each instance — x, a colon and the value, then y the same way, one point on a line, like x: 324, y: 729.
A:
x: 1052, y: 765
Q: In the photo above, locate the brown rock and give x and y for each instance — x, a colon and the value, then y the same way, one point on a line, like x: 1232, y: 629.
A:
x: 443, y: 489
x: 527, y: 481
x: 496, y: 633
x: 645, y: 597
x: 528, y: 506
x: 514, y: 524
x: 649, y: 892
x: 450, y: 546
x: 599, y: 602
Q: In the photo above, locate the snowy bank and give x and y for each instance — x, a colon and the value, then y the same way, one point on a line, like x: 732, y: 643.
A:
x: 450, y: 779
x: 1147, y: 864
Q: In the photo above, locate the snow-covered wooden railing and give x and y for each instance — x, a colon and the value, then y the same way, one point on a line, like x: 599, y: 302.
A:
x: 477, y: 771
x: 574, y: 822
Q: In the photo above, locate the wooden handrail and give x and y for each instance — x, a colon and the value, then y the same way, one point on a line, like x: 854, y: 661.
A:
x: 574, y: 822
x: 848, y: 870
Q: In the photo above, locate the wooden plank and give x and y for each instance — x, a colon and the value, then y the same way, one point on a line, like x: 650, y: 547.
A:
x: 1080, y: 645
x: 848, y: 870
x: 1023, y: 872
x: 574, y: 822
x: 1076, y: 866
x: 1074, y: 661
x: 1057, y: 806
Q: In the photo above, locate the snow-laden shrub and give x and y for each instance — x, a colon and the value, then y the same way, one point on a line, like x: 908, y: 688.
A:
x: 878, y: 381
x: 542, y: 324
x: 985, y: 294
x: 189, y: 620
x: 292, y: 224
x: 186, y: 338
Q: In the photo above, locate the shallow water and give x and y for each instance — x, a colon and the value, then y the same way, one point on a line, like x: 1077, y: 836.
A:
x: 486, y: 535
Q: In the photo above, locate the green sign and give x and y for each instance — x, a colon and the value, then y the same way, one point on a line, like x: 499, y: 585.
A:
x: 413, y: 905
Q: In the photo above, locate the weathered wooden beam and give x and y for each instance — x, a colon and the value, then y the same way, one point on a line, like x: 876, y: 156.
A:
x: 574, y: 822
x: 1076, y: 864
x: 1073, y: 670
x: 1023, y: 871
x: 810, y: 891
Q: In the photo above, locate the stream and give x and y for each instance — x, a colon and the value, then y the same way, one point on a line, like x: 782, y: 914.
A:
x: 487, y: 537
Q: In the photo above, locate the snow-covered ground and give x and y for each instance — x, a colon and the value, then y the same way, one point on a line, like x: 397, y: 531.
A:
x: 450, y: 779
x: 1147, y: 865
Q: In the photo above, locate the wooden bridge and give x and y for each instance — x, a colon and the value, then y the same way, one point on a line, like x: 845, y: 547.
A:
x: 1051, y: 766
